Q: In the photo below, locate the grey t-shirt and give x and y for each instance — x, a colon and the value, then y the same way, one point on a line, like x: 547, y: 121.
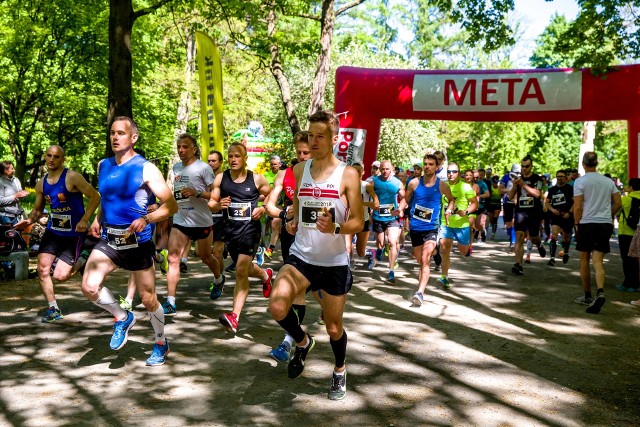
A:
x: 597, y: 190
x: 192, y: 211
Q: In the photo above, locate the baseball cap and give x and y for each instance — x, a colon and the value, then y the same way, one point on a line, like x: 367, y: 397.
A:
x: 516, y: 168
x: 376, y: 164
x: 417, y: 166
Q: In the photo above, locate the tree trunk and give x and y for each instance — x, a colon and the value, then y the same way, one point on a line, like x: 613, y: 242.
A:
x: 588, y: 135
x: 121, y: 19
x: 327, y: 24
x: 276, y: 69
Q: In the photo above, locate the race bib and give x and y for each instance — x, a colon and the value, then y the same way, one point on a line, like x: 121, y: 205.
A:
x: 177, y: 193
x: 217, y: 215
x: 120, y: 239
x: 525, y: 202
x: 385, y: 210
x: 60, y: 222
x: 240, y: 211
x: 558, y: 199
x: 310, y: 211
x: 422, y: 214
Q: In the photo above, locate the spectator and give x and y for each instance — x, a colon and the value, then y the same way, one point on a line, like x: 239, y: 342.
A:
x: 11, y: 193
x: 630, y: 268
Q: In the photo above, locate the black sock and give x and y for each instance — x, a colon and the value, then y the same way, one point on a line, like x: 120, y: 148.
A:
x: 272, y: 247
x: 300, y: 309
x: 566, y: 246
x: 587, y: 294
x: 339, y: 348
x: 291, y: 325
x: 554, y: 246
x: 599, y: 291
x: 494, y: 227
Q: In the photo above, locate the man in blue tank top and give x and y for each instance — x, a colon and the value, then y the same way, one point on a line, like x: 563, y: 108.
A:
x: 125, y: 182
x: 325, y: 187
x: 424, y: 197
x: 68, y: 224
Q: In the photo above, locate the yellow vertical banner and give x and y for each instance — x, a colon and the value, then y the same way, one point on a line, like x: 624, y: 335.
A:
x: 210, y: 79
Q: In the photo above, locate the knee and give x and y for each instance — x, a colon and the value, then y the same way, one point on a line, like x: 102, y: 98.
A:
x: 43, y: 270
x: 61, y: 277
x: 278, y: 308
x: 334, y: 330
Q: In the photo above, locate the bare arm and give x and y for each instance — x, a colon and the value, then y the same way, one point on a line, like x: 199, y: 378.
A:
x: 168, y: 205
x: 578, y: 203
x: 616, y: 203
x: 39, y: 205
x: 270, y: 202
x: 264, y: 188
x: 76, y: 182
x: 375, y: 202
x: 350, y: 187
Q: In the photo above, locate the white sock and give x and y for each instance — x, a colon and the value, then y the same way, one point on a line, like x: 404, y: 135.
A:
x: 172, y: 300
x: 108, y: 302
x: 54, y: 304
x: 339, y: 374
x: 129, y: 300
x: 288, y: 339
x: 157, y: 321
x: 183, y: 260
x: 217, y: 280
x: 159, y: 257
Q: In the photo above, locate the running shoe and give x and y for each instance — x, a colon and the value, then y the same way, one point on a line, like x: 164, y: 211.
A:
x: 565, y: 258
x: 517, y: 269
x: 51, y: 315
x: 216, y: 290
x: 378, y: 253
x: 542, y: 251
x: 386, y: 251
x: 268, y: 253
x: 124, y: 304
x: 121, y: 331
x: 183, y: 267
x: 338, y: 386
x: 164, y: 265
x: 352, y: 263
x: 372, y: 260
x: 552, y: 262
x: 281, y: 353
x: 528, y: 259
x: 623, y: 288
x: 320, y: 321
x: 583, y: 300
x: 266, y: 285
x: 229, y: 321
x: 396, y: 265
x: 296, y: 365
x: 483, y: 236
x: 159, y: 354
x: 231, y: 268
x: 417, y: 299
x: 596, y: 304
x: 260, y: 256
x: 169, y: 310
x: 391, y: 277
x: 444, y: 280
x: 437, y: 258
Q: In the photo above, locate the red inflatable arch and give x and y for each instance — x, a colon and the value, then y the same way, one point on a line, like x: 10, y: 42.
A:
x: 366, y: 96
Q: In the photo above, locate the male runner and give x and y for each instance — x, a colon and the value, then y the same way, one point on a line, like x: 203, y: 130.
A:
x: 67, y: 227
x: 369, y: 200
x: 559, y: 204
x: 424, y: 197
x: 193, y: 181
x: 238, y: 190
x: 125, y: 182
x: 219, y: 219
x: 326, y: 190
x: 275, y: 165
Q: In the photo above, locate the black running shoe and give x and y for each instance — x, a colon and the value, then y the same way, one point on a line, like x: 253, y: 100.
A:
x: 183, y: 267
x: 552, y: 262
x: 296, y: 364
x: 565, y: 258
x: 542, y: 251
x: 517, y: 269
x: 597, y: 304
x: 437, y: 258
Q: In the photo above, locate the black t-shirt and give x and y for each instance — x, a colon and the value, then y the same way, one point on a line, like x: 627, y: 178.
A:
x: 561, y: 198
x: 525, y: 202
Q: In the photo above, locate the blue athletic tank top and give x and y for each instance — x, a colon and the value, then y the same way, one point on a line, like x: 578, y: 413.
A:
x: 426, y: 207
x: 124, y: 195
x: 66, y: 207
x: 387, y: 192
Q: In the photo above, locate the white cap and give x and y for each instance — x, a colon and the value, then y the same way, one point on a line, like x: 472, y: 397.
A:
x: 516, y: 168
x: 376, y: 164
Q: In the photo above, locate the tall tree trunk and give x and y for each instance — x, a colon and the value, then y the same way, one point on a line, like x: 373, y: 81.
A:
x: 588, y: 136
x: 276, y: 69
x: 327, y: 24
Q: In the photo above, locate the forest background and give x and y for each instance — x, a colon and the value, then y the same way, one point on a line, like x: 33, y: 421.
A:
x: 67, y: 68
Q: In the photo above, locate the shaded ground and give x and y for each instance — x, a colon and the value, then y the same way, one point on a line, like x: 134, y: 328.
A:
x: 494, y: 350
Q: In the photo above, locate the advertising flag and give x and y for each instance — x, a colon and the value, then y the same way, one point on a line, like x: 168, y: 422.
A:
x: 210, y: 76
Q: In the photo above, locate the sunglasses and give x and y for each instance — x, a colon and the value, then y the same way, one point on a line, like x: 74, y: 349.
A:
x: 526, y: 166
x: 452, y: 171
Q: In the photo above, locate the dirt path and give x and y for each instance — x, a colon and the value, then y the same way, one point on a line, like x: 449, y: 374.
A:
x: 494, y: 350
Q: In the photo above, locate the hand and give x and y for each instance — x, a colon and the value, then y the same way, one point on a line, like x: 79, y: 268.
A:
x: 397, y: 212
x: 82, y: 226
x: 289, y: 213
x: 20, y: 225
x: 95, y: 230
x: 225, y: 202
x: 188, y: 192
x: 21, y: 194
x: 324, y: 224
x: 257, y: 213
x: 137, y: 226
x: 152, y: 208
x: 291, y: 227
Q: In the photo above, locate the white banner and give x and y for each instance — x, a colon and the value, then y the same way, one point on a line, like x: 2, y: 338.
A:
x: 498, y: 92
x: 350, y: 146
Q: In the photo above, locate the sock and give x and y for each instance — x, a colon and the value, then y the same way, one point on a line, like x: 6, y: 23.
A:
x: 339, y: 348
x: 529, y: 247
x: 172, y: 300
x: 272, y: 247
x: 300, y: 310
x: 599, y: 291
x: 129, y: 300
x: 107, y: 302
x: 339, y: 374
x: 159, y: 257
x: 288, y: 340
x: 494, y: 228
x: 566, y: 246
x: 554, y: 246
x: 157, y: 321
x: 587, y: 294
x: 54, y: 304
x: 368, y: 253
x: 291, y: 325
x: 183, y: 260
x: 217, y: 280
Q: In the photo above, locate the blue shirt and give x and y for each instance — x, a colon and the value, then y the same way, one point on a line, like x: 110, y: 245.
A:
x: 387, y: 192
x: 66, y: 206
x: 426, y: 207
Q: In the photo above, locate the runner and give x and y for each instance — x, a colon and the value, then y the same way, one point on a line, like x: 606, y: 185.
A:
x: 508, y: 206
x: 493, y: 206
x: 216, y: 161
x: 326, y: 189
x: 193, y: 182
x: 458, y: 227
x: 125, y: 182
x: 238, y: 190
x: 559, y: 204
x: 275, y: 163
x: 369, y: 200
x: 424, y: 197
x: 67, y: 227
x: 483, y: 197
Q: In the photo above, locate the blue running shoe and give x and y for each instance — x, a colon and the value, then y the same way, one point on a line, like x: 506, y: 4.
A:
x: 391, y: 277
x: 260, y: 256
x: 159, y: 354
x: 51, y: 315
x: 372, y: 260
x: 378, y: 253
x: 121, y: 331
x: 216, y: 290
x: 169, y: 310
x: 444, y: 280
x: 231, y: 268
x: 281, y: 353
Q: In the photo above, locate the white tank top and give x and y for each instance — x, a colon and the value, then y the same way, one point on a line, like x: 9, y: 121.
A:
x: 365, y: 198
x: 310, y: 245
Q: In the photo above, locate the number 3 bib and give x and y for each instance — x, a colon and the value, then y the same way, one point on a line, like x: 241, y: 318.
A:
x: 310, y: 211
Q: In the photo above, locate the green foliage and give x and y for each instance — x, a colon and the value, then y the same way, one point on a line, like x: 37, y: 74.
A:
x: 546, y: 53
x: 611, y: 145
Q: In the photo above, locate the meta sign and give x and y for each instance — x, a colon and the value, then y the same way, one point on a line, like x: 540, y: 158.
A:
x: 497, y: 92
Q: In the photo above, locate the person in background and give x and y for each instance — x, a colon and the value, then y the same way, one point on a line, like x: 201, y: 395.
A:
x: 11, y: 193
x: 630, y: 267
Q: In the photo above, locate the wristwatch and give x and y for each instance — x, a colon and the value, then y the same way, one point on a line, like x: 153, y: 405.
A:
x: 198, y: 193
x: 336, y: 229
